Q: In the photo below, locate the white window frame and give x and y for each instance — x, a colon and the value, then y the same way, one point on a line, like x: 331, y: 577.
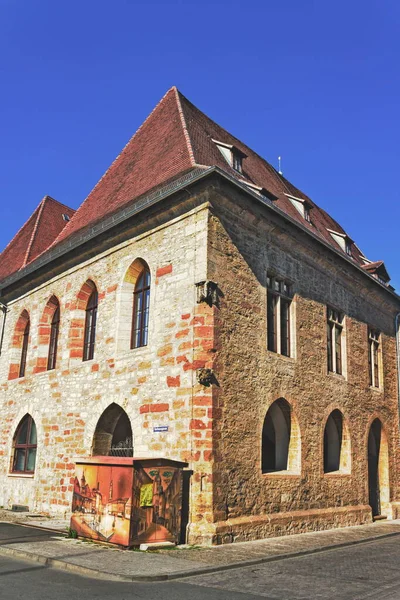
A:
x: 374, y: 346
x: 336, y: 318
x: 280, y: 290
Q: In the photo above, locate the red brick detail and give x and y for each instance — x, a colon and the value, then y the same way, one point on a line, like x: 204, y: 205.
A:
x: 204, y: 332
x: 186, y: 316
x: 112, y: 288
x: 197, y: 321
x: 196, y: 364
x: 197, y: 424
x: 174, y: 381
x: 145, y: 408
x: 164, y: 270
x: 202, y: 401
x: 160, y: 407
x: 95, y: 367
x: 182, y: 333
x: 207, y: 455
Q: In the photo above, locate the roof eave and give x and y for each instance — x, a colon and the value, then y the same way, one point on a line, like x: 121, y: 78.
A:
x: 150, y: 199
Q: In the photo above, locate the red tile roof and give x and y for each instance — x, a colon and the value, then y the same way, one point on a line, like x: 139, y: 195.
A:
x: 175, y: 138
x: 35, y: 236
x: 377, y: 268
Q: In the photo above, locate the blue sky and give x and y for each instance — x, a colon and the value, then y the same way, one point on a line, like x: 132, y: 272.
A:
x: 317, y: 82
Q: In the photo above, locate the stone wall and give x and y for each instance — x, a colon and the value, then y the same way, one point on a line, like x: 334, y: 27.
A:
x: 222, y: 235
x: 244, y: 244
x: 156, y: 384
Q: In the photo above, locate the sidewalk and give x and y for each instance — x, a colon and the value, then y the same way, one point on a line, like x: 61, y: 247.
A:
x: 87, y: 558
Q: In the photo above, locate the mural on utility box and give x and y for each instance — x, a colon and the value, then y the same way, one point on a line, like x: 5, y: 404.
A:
x: 127, y: 506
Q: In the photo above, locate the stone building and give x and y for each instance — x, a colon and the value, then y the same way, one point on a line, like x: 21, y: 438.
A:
x: 200, y: 307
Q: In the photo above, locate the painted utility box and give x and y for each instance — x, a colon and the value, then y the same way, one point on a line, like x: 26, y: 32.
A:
x: 128, y: 501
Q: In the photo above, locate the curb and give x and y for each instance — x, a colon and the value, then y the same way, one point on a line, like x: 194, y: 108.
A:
x: 95, y: 573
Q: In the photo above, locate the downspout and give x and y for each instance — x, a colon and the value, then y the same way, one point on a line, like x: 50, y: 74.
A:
x: 3, y: 309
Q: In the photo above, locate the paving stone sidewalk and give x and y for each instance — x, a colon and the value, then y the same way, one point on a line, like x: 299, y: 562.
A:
x: 105, y: 562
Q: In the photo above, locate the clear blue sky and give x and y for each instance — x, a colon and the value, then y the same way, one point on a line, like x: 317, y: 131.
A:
x: 315, y: 81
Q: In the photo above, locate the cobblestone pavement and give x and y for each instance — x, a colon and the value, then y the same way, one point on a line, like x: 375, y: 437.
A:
x: 49, y: 548
x: 365, y: 572
x: 273, y: 547
x: 362, y: 572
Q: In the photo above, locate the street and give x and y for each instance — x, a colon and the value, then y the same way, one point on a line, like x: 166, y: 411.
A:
x: 361, y: 572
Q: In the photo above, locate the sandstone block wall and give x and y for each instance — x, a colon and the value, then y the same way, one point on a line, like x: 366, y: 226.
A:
x: 156, y: 385
x: 223, y: 236
x: 243, y: 246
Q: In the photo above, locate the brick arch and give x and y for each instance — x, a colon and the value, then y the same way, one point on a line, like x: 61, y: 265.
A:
x: 77, y: 321
x: 16, y: 344
x: 125, y: 312
x: 113, y: 426
x: 336, y: 443
x: 280, y: 439
x: 44, y: 333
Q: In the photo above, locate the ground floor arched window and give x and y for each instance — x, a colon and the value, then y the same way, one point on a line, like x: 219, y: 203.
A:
x: 24, y: 447
x: 113, y: 434
x: 280, y: 446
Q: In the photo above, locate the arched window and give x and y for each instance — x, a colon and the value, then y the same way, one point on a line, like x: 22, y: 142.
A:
x: 337, y: 452
x: 24, y: 350
x: 280, y: 439
x: 24, y: 445
x: 141, y: 305
x: 378, y: 470
x: 333, y: 442
x: 53, y: 343
x: 113, y: 434
x: 90, y: 326
x: 19, y: 346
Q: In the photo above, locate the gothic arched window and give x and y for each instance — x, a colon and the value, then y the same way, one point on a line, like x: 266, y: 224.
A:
x: 90, y: 326
x: 25, y: 444
x: 24, y: 350
x: 141, y: 305
x: 53, y: 342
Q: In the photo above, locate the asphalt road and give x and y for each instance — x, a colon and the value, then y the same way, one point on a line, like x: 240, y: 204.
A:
x: 362, y: 572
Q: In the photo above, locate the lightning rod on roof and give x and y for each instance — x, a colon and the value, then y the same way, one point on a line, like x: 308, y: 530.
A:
x: 279, y: 166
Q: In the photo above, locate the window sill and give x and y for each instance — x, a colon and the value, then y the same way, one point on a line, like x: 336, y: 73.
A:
x: 338, y: 376
x: 132, y: 351
x: 378, y: 390
x: 22, y: 475
x: 290, y: 358
x: 337, y: 474
x: 281, y: 474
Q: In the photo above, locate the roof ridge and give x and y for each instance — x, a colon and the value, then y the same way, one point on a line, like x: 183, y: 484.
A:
x: 68, y: 225
x: 58, y: 202
x: 184, y: 126
x: 19, y: 230
x: 35, y: 228
x: 274, y: 172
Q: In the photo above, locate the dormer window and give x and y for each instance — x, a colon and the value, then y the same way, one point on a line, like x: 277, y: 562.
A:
x: 302, y: 206
x: 377, y: 269
x: 237, y: 162
x: 233, y: 156
x: 342, y: 240
x: 259, y: 190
